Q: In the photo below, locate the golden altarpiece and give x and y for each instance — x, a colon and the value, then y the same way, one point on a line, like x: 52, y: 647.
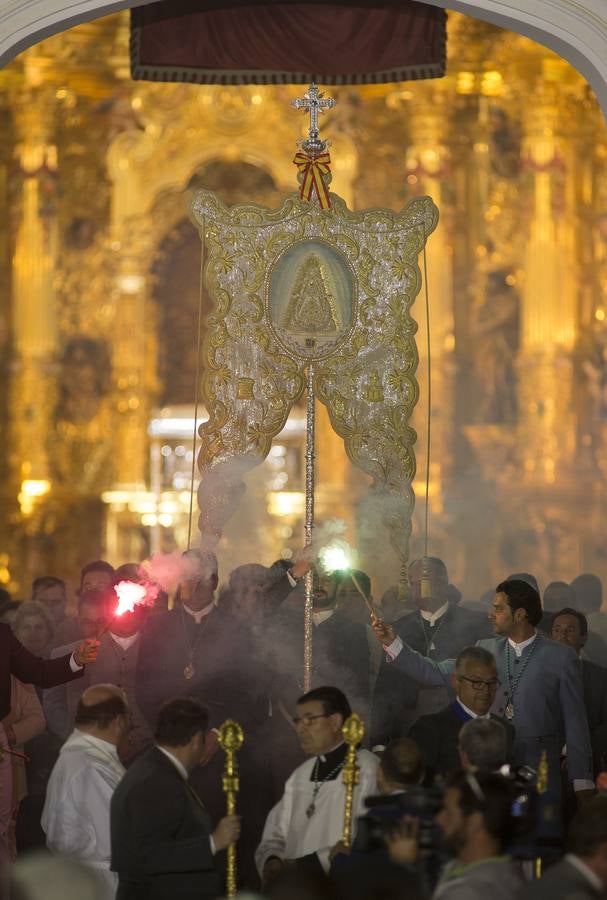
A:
x: 99, y: 273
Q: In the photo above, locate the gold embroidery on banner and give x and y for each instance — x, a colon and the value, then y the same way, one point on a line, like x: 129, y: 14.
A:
x: 295, y: 284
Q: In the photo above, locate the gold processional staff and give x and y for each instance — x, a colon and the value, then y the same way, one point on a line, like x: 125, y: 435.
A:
x: 231, y: 738
x: 353, y: 732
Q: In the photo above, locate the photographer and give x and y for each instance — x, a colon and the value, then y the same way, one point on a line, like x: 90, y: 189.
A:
x: 477, y: 826
x: 399, y: 777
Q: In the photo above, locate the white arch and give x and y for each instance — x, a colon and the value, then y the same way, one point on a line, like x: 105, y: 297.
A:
x: 575, y: 29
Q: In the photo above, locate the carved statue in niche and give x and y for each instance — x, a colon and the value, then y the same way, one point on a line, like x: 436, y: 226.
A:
x: 591, y: 400
x: 83, y: 420
x: 593, y: 346
x: 495, y: 336
x: 84, y: 379
x: 505, y: 139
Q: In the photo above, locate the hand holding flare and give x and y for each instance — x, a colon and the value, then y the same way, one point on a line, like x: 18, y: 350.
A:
x: 384, y: 633
x: 86, y: 652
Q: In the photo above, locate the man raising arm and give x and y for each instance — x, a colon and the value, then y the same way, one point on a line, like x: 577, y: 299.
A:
x: 541, y: 683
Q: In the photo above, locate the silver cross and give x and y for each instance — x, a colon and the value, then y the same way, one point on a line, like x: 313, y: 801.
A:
x: 314, y: 102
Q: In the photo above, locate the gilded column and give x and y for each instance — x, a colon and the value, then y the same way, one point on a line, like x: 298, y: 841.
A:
x: 468, y: 122
x: 469, y: 139
x: 427, y: 165
x: 130, y: 359
x: 133, y: 367
x: 34, y: 316
x: 548, y: 296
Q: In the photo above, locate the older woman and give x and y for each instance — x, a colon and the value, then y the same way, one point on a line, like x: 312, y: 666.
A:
x: 24, y: 722
x: 34, y: 627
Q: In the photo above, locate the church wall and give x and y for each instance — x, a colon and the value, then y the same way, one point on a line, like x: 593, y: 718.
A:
x: 512, y: 146
x: 577, y: 31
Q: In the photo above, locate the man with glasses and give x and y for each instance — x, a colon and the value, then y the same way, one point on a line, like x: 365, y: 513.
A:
x: 438, y: 630
x: 475, y: 684
x: 308, y: 820
x: 540, y: 687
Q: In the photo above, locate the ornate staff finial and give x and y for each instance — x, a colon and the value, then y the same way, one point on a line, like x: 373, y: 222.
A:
x: 314, y: 102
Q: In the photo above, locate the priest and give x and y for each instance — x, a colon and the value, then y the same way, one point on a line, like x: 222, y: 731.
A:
x: 308, y: 820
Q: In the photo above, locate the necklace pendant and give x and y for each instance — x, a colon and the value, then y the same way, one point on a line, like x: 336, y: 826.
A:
x: 188, y: 672
x: 509, y: 711
x: 432, y: 646
x: 311, y: 810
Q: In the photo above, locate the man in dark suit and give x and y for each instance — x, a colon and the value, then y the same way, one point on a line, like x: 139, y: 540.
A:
x: 582, y: 873
x: 16, y: 660
x: 570, y: 626
x: 45, y: 673
x: 198, y: 650
x: 475, y: 684
x: 162, y: 845
x: 201, y: 649
x: 438, y: 630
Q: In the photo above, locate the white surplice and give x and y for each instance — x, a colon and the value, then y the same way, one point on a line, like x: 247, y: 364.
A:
x: 76, y: 815
x: 290, y: 833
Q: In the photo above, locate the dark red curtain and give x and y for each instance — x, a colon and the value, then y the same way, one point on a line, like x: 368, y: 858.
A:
x: 284, y: 42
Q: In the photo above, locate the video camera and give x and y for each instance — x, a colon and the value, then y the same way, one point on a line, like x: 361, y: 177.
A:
x: 386, y: 813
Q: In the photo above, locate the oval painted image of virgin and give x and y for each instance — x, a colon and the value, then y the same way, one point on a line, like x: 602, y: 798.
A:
x: 311, y: 295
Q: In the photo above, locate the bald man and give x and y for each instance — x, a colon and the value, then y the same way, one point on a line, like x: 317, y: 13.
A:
x: 76, y: 815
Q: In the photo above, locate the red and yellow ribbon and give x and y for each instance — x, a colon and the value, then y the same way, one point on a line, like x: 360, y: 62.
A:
x: 312, y: 169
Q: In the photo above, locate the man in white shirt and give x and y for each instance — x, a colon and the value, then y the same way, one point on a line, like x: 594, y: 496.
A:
x: 308, y: 821
x: 76, y: 815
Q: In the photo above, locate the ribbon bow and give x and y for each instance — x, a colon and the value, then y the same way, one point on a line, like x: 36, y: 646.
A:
x: 312, y: 169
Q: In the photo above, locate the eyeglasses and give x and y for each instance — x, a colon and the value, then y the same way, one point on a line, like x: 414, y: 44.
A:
x: 479, y: 685
x: 307, y: 720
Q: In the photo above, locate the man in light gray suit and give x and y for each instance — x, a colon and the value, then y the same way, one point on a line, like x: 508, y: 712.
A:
x: 582, y: 873
x: 540, y: 684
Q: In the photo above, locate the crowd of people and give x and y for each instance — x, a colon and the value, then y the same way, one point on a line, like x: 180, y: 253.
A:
x: 480, y: 770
